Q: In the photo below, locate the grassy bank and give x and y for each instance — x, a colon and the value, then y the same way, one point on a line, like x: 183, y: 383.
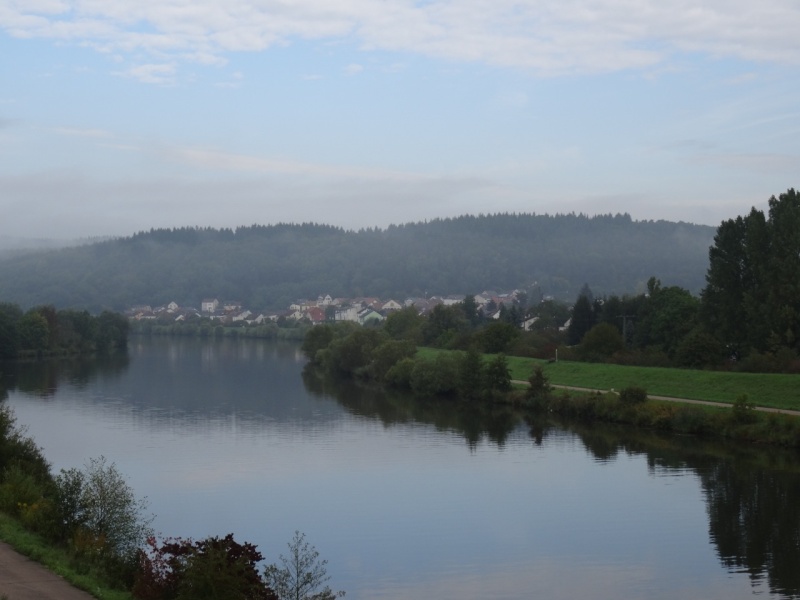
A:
x: 762, y: 389
x: 741, y: 423
x: 56, y: 559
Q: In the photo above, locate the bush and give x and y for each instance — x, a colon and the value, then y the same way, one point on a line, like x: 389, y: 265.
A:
x: 399, y: 376
x: 218, y: 568
x: 539, y: 385
x: 96, y: 503
x: 743, y: 411
x: 633, y: 395
x: 437, y: 377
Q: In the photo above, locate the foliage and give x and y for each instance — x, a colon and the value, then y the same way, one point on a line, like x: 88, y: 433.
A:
x: 272, y: 266
x: 44, y: 330
x: 316, y: 339
x: 387, y: 354
x: 436, y: 377
x: 539, y: 387
x: 301, y: 575
x: 743, y: 410
x: 405, y: 324
x: 443, y: 325
x: 601, y: 341
x: 470, y: 375
x: 219, y: 568
x: 58, y: 559
x: 496, y: 337
x: 752, y: 297
x: 99, y: 509
x: 583, y: 317
x: 24, y: 472
x: 352, y: 354
x: 633, y: 395
x: 497, y: 377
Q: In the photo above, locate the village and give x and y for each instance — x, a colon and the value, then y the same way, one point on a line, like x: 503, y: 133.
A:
x: 325, y: 309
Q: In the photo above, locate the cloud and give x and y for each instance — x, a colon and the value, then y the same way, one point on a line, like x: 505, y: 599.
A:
x: 152, y: 73
x: 210, y: 160
x: 549, y: 37
x: 77, y: 206
x: 755, y: 162
x: 87, y: 133
x: 353, y: 69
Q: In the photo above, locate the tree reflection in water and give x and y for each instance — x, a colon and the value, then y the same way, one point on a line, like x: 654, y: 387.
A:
x: 752, y: 494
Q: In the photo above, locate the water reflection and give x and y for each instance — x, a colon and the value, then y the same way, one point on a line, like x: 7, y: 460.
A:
x: 751, y: 497
x: 475, y: 422
x: 42, y: 377
x: 751, y: 494
x: 253, y: 391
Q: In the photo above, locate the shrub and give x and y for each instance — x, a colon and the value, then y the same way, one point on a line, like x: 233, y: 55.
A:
x: 539, y: 385
x: 96, y: 503
x: 437, y: 377
x: 743, y: 411
x: 633, y: 395
x: 399, y: 376
x: 218, y: 568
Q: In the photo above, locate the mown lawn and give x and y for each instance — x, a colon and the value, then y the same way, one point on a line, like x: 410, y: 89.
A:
x: 762, y: 389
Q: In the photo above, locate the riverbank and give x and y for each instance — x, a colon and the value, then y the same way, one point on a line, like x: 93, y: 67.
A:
x: 770, y: 390
x: 33, y: 569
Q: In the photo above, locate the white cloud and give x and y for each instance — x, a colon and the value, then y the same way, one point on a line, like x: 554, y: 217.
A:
x: 152, y: 73
x: 547, y: 37
x: 215, y: 160
x: 353, y: 69
x: 88, y: 133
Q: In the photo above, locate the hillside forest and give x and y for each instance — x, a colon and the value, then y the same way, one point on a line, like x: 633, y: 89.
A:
x: 746, y: 318
x: 270, y: 267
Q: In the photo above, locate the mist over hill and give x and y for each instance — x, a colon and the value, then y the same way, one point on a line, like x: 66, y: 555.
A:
x: 271, y: 266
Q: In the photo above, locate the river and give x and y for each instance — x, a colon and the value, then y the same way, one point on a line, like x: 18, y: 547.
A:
x: 417, y: 499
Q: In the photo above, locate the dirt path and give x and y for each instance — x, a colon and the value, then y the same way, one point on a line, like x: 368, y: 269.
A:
x: 23, y: 579
x: 783, y: 411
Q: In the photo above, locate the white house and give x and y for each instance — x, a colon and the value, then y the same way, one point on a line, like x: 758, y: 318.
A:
x: 347, y: 314
x: 391, y: 305
x: 209, y: 305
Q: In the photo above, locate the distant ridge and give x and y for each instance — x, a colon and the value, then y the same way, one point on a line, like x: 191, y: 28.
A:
x: 269, y: 266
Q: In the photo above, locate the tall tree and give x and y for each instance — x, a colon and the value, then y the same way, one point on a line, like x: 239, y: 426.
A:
x: 752, y: 296
x: 583, y: 317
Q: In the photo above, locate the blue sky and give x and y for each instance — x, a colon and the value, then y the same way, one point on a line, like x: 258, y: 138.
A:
x: 121, y: 115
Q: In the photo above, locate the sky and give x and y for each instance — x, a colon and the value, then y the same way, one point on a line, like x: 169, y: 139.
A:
x: 117, y: 116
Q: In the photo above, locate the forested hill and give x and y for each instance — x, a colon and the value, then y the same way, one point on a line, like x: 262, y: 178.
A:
x: 271, y: 266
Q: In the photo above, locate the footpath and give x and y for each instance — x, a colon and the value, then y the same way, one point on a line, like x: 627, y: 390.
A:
x: 783, y: 411
x: 24, y: 579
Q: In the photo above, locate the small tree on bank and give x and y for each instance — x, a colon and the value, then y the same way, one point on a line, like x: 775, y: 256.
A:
x: 301, y: 576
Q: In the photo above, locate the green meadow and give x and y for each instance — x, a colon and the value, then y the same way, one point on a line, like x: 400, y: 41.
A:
x: 762, y: 389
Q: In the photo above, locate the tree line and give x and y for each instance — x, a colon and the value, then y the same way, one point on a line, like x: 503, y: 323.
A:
x: 44, y: 330
x: 746, y: 317
x: 269, y: 267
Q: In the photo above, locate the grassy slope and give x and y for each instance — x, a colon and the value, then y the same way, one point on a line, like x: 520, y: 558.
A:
x: 55, y: 559
x: 763, y: 389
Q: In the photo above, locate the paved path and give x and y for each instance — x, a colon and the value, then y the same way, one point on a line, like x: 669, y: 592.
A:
x: 23, y: 579
x: 783, y: 411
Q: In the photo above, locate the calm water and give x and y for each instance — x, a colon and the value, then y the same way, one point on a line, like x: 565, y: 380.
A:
x: 410, y: 499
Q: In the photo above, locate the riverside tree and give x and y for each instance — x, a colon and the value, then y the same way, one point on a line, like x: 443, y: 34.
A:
x: 301, y: 575
x: 752, y: 297
x: 98, y: 507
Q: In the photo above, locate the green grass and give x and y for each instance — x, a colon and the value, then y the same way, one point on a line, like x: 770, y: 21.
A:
x: 55, y: 559
x: 762, y: 389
